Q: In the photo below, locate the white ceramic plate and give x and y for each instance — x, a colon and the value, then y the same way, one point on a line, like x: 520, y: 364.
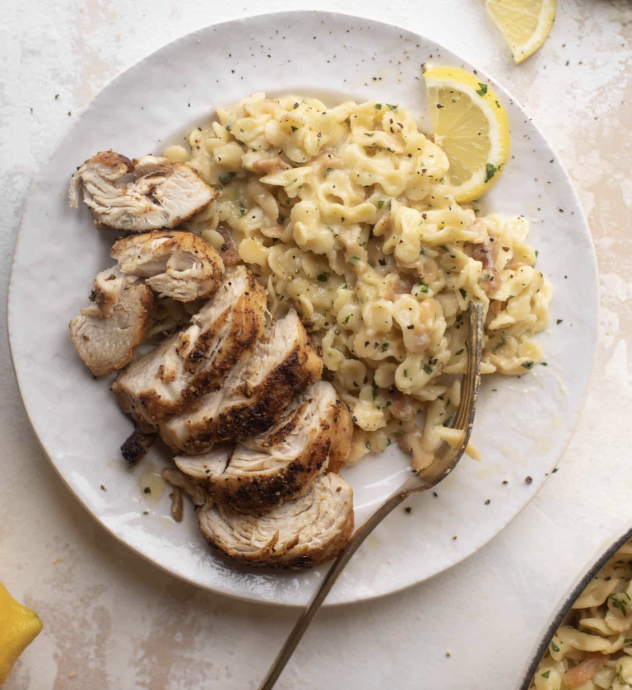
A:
x: 522, y: 425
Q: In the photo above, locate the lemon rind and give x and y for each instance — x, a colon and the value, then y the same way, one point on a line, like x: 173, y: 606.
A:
x: 545, y: 23
x: 437, y: 77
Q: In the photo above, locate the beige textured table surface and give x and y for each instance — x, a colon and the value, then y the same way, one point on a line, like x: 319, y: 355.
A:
x: 114, y: 621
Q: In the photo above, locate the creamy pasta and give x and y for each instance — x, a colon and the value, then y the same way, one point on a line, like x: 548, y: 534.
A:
x: 342, y: 213
x: 593, y: 649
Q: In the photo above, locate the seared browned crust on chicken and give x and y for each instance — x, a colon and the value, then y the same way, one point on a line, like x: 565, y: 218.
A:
x: 162, y: 193
x: 254, y: 394
x: 137, y: 445
x: 194, y: 361
x: 107, y: 334
x: 341, y: 438
x: 174, y: 264
x: 278, y: 464
x: 300, y: 533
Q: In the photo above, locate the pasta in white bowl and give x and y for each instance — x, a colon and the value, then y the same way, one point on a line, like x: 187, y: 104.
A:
x: 592, y: 647
x: 343, y: 214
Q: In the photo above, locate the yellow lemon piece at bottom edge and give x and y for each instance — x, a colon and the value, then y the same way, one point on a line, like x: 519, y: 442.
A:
x: 524, y: 24
x: 471, y: 125
x: 19, y: 626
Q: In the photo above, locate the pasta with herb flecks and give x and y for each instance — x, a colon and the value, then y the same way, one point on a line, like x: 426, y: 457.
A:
x: 593, y: 649
x: 342, y: 213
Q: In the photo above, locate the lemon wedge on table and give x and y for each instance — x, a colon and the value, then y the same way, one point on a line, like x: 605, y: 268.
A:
x: 19, y: 626
x: 524, y: 24
x: 471, y: 126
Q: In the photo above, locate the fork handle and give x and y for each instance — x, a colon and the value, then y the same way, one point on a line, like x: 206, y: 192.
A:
x: 332, y: 575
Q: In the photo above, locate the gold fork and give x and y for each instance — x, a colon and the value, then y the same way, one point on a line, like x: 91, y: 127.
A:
x: 446, y: 459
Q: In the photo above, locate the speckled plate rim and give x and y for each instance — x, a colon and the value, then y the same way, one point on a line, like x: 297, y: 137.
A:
x: 569, y: 428
x: 598, y: 559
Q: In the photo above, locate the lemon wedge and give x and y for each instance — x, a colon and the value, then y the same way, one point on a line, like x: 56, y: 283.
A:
x: 524, y: 24
x: 471, y: 126
x: 19, y: 626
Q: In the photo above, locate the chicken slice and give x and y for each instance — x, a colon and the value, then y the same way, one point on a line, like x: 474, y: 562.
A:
x: 255, y: 393
x: 175, y: 264
x: 301, y: 533
x: 107, y: 333
x: 161, y: 193
x: 279, y: 464
x: 105, y: 293
x: 193, y: 362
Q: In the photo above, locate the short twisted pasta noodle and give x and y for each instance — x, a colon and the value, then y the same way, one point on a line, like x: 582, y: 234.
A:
x: 593, y: 649
x: 342, y: 213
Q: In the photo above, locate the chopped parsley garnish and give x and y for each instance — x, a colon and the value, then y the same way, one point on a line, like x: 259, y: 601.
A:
x: 346, y: 321
x: 375, y: 391
x: 620, y: 604
x: 293, y: 128
x: 444, y: 247
x: 242, y: 212
x: 226, y: 178
x: 497, y: 104
x: 546, y: 675
x: 385, y: 346
x: 423, y: 287
x: 354, y: 260
x: 378, y: 106
x: 460, y: 352
x: 228, y: 128
x: 483, y: 90
x: 380, y: 203
x: 544, y: 364
x: 322, y: 278
x: 536, y: 253
x: 491, y: 171
x: 528, y: 365
x: 406, y: 372
x: 463, y: 293
x: 427, y: 368
x: 369, y: 134
x: 554, y: 647
x: 393, y: 108
x: 503, y: 340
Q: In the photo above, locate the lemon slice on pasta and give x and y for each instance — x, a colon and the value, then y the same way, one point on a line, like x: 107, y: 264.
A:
x: 471, y: 126
x: 524, y: 24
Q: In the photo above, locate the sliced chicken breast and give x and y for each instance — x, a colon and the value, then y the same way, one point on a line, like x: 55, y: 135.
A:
x: 254, y: 394
x: 194, y: 361
x: 280, y: 463
x: 107, y: 334
x: 105, y: 293
x: 174, y: 264
x: 161, y: 193
x: 301, y: 533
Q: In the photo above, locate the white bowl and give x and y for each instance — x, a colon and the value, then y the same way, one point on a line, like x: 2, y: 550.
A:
x: 576, y: 587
